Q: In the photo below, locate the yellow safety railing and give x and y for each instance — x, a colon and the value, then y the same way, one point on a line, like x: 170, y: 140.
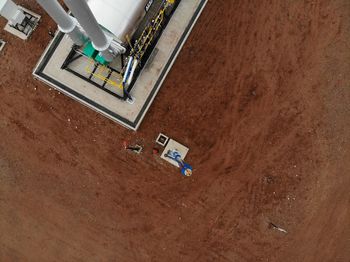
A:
x: 99, y: 74
x: 149, y: 32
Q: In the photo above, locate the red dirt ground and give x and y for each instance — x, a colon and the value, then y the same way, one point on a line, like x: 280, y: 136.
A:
x: 260, y: 94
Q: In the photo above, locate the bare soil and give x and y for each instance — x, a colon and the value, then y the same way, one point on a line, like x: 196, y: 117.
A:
x: 261, y: 96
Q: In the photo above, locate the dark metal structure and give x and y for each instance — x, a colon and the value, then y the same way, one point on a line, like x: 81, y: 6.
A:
x: 149, y: 32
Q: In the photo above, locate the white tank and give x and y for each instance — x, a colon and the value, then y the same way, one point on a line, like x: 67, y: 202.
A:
x: 120, y: 17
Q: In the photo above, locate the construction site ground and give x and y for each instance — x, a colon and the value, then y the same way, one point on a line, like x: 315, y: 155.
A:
x: 260, y: 94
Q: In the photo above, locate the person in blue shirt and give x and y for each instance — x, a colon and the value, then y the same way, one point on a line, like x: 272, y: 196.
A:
x: 186, y: 169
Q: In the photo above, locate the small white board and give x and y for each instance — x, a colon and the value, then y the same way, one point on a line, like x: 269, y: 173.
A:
x: 2, y: 44
x: 18, y: 33
x: 162, y: 139
x: 172, y: 144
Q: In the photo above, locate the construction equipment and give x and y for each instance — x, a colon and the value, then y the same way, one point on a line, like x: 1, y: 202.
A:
x: 21, y: 22
x: 11, y: 12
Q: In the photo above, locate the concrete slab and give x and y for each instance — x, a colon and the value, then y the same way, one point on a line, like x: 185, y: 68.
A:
x: 147, y: 84
x: 28, y: 30
x: 173, y: 145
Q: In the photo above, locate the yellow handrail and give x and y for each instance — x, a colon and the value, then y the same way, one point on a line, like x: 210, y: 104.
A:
x: 99, y: 75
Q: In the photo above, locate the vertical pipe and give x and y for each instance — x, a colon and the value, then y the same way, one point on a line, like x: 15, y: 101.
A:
x: 65, y: 22
x: 87, y: 20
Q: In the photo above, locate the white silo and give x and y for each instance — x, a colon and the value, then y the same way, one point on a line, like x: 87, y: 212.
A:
x: 100, y: 40
x: 119, y: 17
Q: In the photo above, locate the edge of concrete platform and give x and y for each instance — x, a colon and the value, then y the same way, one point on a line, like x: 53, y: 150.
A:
x: 171, y: 61
x: 39, y: 74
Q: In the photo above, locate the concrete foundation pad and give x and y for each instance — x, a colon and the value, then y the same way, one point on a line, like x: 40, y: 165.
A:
x: 148, y: 82
x: 16, y: 32
x: 173, y: 145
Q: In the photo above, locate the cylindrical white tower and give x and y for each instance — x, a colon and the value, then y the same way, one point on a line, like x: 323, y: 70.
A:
x: 100, y: 41
x: 65, y: 22
x: 120, y: 17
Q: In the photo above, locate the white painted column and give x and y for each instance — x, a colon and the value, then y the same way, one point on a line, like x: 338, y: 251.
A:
x: 100, y: 41
x: 65, y: 22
